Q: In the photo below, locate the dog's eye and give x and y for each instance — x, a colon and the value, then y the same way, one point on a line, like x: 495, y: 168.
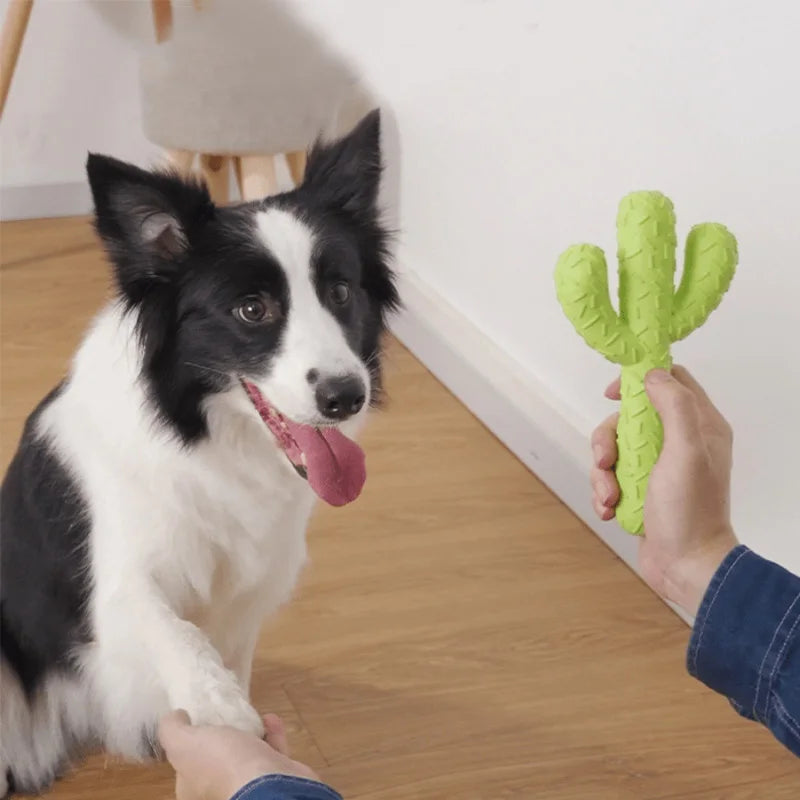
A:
x: 257, y: 310
x: 340, y: 293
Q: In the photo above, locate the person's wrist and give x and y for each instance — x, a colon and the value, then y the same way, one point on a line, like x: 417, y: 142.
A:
x: 243, y: 774
x: 254, y: 768
x: 691, y: 575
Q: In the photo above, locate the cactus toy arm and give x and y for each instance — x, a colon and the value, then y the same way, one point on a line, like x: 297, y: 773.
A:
x: 708, y: 266
x: 583, y: 294
x: 651, y: 316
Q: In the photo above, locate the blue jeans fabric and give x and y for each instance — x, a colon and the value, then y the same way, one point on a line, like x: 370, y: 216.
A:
x: 746, y: 642
x: 284, y: 787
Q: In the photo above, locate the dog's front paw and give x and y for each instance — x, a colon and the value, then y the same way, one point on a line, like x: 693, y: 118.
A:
x: 222, y: 702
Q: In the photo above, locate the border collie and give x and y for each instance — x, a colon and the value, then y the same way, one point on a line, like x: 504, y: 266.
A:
x: 156, y: 508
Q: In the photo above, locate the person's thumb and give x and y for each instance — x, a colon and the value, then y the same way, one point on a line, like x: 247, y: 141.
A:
x: 275, y: 733
x: 172, y: 731
x: 676, y: 405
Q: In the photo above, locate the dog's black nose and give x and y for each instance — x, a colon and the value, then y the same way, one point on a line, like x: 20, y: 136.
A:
x: 340, y: 398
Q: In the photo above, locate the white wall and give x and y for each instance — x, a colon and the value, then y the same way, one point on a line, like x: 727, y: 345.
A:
x: 75, y: 90
x: 522, y: 124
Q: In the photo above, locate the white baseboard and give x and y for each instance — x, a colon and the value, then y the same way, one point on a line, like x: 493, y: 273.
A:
x: 512, y: 403
x: 45, y: 200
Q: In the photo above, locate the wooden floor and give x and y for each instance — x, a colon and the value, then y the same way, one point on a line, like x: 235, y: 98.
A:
x: 458, y: 634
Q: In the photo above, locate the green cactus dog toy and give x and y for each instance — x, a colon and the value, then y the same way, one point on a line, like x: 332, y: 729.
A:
x: 652, y: 315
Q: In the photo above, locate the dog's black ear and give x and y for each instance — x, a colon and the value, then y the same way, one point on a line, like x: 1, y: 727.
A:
x: 146, y: 220
x: 346, y: 174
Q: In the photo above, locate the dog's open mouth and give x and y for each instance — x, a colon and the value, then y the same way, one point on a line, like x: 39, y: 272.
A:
x: 333, y: 465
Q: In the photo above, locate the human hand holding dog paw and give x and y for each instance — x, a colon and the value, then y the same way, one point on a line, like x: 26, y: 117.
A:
x: 214, y: 762
x: 219, y: 700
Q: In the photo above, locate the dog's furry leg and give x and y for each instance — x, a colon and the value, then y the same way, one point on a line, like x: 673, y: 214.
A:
x: 138, y: 630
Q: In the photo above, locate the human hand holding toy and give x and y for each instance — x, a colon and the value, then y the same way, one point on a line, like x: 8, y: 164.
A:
x: 652, y: 315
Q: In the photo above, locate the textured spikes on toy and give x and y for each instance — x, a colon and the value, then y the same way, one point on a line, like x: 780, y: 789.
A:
x: 646, y: 245
x: 582, y: 288
x: 651, y: 316
x: 646, y: 253
x: 708, y: 266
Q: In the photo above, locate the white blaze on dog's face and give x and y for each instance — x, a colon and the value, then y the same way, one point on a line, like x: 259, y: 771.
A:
x: 314, y: 377
x: 313, y: 382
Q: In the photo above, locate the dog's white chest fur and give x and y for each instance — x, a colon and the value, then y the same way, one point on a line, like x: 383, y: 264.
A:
x: 213, y: 533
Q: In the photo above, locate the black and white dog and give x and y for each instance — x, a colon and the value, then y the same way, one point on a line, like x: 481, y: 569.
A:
x: 155, y: 511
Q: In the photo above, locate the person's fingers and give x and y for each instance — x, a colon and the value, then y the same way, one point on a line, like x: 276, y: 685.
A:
x: 604, y: 442
x: 602, y: 511
x: 172, y: 730
x: 275, y: 733
x: 681, y: 374
x: 613, y: 389
x: 605, y: 486
x: 677, y: 407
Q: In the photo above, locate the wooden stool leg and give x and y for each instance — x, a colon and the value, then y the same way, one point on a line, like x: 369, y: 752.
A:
x: 297, y: 165
x: 256, y: 176
x: 216, y: 172
x: 162, y: 19
x: 14, y: 26
x: 182, y: 161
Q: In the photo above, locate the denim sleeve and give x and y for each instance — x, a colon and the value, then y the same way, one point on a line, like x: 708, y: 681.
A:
x: 285, y: 787
x: 746, y: 642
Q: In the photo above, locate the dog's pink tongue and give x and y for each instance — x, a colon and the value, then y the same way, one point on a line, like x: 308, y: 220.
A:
x: 335, y: 465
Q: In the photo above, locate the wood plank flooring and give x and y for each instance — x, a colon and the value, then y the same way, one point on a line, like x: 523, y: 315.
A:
x: 458, y: 634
